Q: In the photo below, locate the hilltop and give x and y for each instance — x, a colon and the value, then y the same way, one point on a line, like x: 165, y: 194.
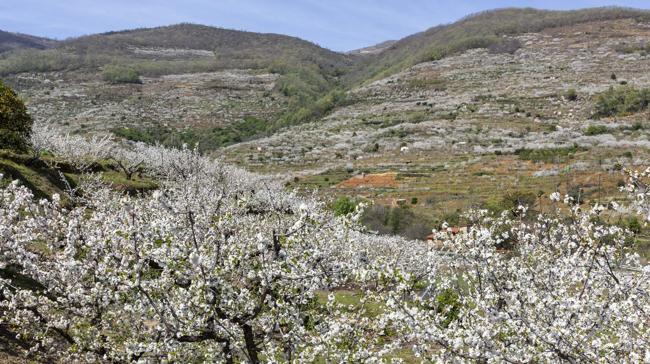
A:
x: 177, y: 48
x: 12, y: 41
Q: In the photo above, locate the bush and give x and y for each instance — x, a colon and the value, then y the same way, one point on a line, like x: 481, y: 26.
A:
x: 596, y: 130
x: 571, y: 94
x: 121, y: 74
x: 207, y: 139
x: 344, y: 206
x: 621, y: 101
x: 547, y: 155
x: 15, y: 122
x: 634, y: 225
x: 449, y: 305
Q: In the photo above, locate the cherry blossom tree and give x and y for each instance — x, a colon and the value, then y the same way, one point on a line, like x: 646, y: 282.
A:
x: 222, y: 265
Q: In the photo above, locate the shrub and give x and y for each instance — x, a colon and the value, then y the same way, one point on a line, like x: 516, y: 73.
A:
x: 207, y: 139
x: 634, y: 225
x: 414, y: 200
x: 547, y: 155
x: 621, y: 101
x: 596, y: 130
x: 344, y: 206
x: 121, y: 74
x: 571, y: 94
x: 15, y: 122
x: 449, y: 305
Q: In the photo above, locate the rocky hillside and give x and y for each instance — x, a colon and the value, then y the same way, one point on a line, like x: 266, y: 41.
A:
x: 177, y: 84
x: 483, y: 124
x: 490, y: 29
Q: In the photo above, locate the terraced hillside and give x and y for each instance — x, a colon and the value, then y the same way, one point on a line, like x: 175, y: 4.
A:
x: 182, y: 83
x: 483, y: 124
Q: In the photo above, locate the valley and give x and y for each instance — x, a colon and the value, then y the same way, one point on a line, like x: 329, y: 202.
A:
x: 476, y: 192
x: 483, y: 122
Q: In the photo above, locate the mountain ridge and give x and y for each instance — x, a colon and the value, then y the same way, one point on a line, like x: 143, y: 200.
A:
x: 11, y: 41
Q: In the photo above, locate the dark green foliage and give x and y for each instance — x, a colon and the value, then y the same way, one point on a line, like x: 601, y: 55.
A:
x: 120, y: 74
x: 596, y: 130
x: 344, y: 206
x: 307, y: 107
x: 15, y: 122
x: 571, y: 94
x: 451, y: 218
x: 633, y: 225
x: 621, y: 101
x: 209, y: 139
x: 414, y: 200
x: 448, y: 303
x: 547, y: 155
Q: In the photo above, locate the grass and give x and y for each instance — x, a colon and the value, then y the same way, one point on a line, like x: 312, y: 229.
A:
x: 352, y: 300
x: 133, y: 185
x: 44, y: 181
x: 324, y: 179
x: 41, y: 180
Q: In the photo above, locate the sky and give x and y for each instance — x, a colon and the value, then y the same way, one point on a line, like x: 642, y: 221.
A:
x: 340, y: 25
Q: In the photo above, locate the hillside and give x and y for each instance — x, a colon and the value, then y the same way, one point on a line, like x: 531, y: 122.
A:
x: 502, y: 102
x: 178, y: 48
x: 483, y: 30
x: 482, y: 124
x: 214, y: 86
x: 469, y: 194
x: 374, y: 49
x: 229, y: 48
x: 13, y: 41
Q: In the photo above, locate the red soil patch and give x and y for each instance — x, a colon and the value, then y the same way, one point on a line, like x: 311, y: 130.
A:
x: 376, y: 180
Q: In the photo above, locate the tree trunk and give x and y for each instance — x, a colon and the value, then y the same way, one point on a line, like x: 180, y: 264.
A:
x: 251, y: 348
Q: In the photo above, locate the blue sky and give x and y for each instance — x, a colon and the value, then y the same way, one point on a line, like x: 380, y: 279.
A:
x: 336, y: 24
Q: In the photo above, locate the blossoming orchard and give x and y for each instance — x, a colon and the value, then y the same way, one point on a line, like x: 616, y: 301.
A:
x: 221, y: 265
